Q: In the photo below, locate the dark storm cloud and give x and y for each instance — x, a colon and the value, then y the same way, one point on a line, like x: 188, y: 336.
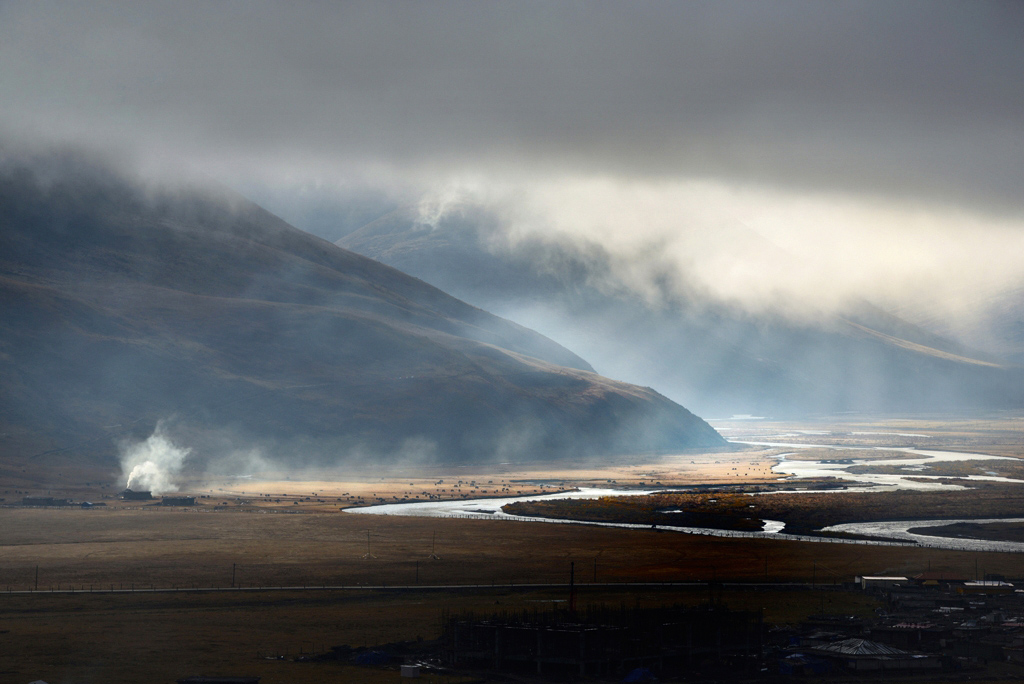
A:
x: 916, y: 98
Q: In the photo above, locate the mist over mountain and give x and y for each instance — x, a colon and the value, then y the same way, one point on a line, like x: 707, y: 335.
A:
x: 784, y: 208
x: 726, y: 184
x: 717, y: 357
x: 996, y: 322
x: 127, y: 304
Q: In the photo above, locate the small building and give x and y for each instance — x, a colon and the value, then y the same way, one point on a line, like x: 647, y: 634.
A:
x: 935, y: 578
x: 861, y: 655
x: 410, y: 671
x: 129, y: 495
x: 985, y: 587
x: 219, y: 680
x: 876, y: 582
x: 925, y: 635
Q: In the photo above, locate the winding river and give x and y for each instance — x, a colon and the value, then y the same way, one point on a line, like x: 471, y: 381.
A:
x: 900, y: 530
x: 887, y: 533
x: 876, y: 482
x: 490, y: 509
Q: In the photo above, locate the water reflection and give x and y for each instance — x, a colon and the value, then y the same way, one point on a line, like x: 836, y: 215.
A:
x: 836, y: 467
x: 900, y: 529
x: 920, y: 459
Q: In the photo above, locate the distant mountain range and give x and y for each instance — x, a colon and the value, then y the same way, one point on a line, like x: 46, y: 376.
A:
x: 714, y: 357
x: 124, y: 305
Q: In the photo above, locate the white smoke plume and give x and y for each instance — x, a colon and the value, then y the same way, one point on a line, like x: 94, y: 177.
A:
x: 153, y: 464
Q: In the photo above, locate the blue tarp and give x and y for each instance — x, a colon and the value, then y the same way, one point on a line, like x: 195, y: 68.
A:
x: 372, y: 658
x: 640, y: 674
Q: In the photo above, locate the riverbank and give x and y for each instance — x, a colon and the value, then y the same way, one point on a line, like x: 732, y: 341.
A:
x: 803, y: 513
x: 989, y: 531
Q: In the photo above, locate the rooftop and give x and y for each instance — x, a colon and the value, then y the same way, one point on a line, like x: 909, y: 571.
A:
x: 860, y: 647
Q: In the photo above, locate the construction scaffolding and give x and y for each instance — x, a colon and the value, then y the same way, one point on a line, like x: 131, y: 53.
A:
x: 600, y: 642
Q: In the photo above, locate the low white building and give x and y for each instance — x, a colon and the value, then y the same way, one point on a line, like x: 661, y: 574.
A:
x: 869, y: 582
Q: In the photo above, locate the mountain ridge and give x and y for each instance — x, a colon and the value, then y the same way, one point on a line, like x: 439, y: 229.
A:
x: 126, y: 306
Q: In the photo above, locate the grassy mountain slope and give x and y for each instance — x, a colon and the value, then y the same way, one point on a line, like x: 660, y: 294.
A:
x: 125, y: 305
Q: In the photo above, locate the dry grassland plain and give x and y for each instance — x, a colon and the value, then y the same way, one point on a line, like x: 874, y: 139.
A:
x: 158, y: 637
x: 243, y: 532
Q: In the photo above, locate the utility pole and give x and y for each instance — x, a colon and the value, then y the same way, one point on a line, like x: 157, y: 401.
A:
x: 233, y: 565
x: 37, y: 578
x: 417, y: 572
x: 572, y: 586
x: 595, y: 570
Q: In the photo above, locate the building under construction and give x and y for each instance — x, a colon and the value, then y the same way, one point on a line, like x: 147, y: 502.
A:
x: 601, y: 642
x: 178, y: 501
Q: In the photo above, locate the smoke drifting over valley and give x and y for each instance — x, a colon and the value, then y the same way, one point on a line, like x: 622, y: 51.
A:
x: 153, y: 465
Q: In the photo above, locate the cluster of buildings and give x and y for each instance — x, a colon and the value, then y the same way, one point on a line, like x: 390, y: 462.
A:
x: 934, y: 623
x: 49, y: 501
x: 126, y: 495
x: 129, y: 495
x: 930, y: 622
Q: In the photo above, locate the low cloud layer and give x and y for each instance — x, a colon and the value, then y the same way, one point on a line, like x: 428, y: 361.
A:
x: 910, y: 98
x: 756, y: 248
x: 789, y: 151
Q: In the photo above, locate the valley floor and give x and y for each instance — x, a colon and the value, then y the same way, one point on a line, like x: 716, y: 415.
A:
x: 242, y: 536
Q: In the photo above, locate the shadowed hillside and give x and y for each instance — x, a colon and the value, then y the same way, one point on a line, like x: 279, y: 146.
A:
x: 124, y: 305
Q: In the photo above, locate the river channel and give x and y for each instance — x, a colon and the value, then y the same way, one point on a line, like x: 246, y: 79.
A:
x: 895, y: 531
x: 490, y: 509
x: 916, y: 460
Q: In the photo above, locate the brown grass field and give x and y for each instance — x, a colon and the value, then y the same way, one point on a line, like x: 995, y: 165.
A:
x: 158, y: 638
x: 303, y: 540
x: 86, y: 637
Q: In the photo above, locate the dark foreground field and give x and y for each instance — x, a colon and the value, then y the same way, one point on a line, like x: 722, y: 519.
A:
x: 158, y: 637
x: 161, y: 637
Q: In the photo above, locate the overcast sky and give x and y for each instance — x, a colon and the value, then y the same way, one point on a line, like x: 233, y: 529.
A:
x: 825, y: 126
